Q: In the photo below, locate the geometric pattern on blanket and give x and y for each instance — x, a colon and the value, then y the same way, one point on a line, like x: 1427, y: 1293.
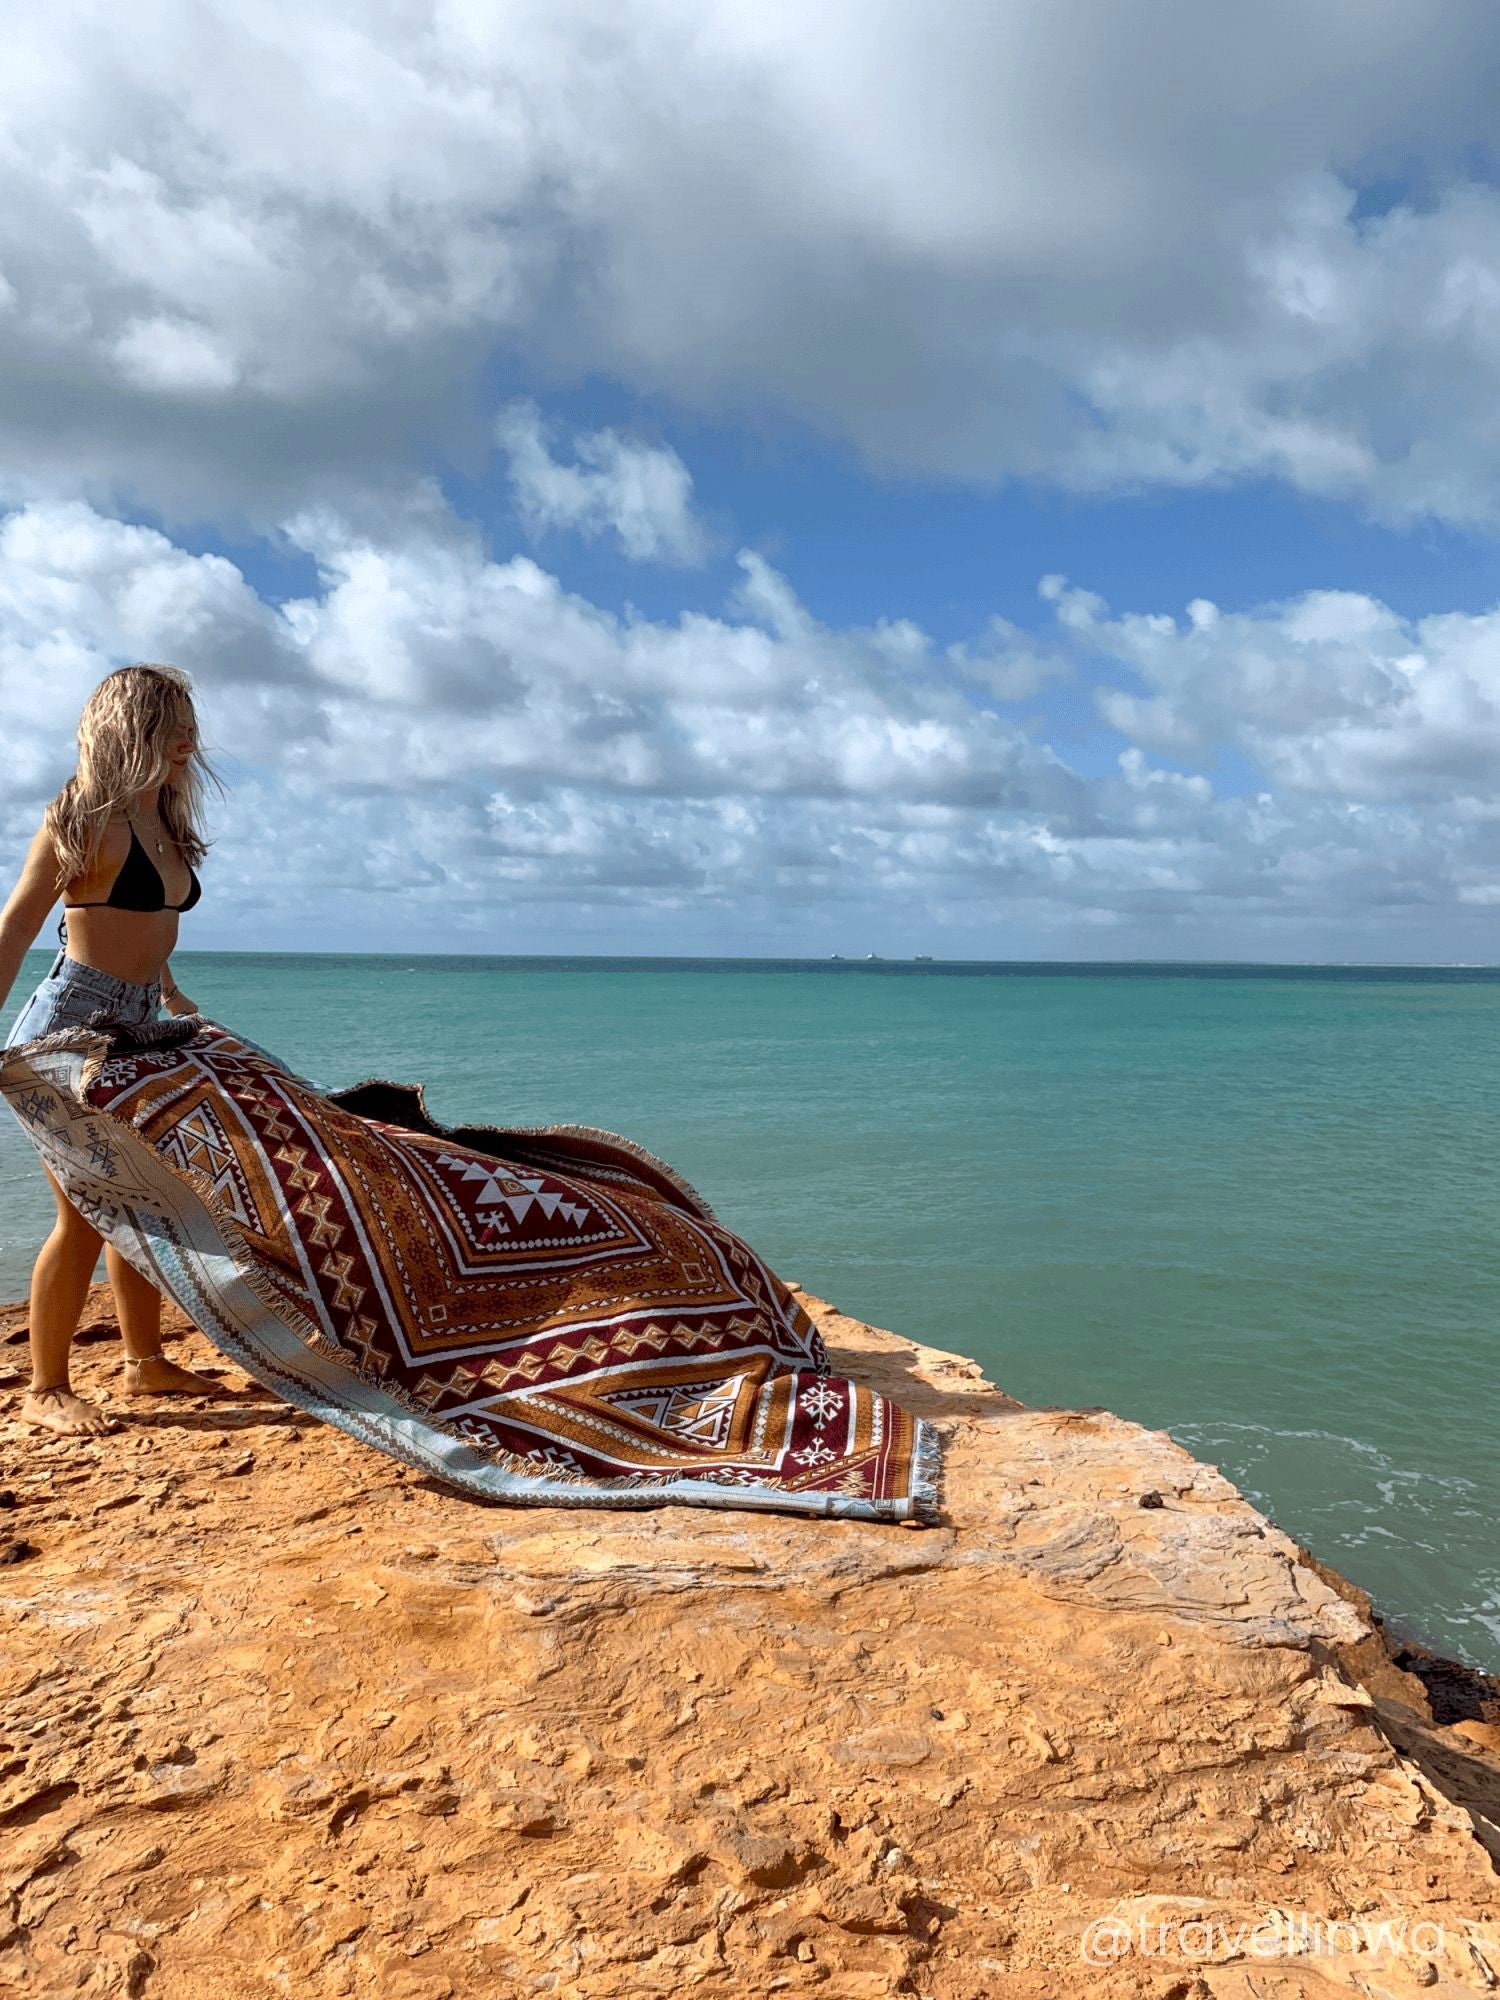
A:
x: 537, y: 1313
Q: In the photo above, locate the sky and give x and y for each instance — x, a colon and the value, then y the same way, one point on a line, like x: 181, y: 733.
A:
x: 993, y: 479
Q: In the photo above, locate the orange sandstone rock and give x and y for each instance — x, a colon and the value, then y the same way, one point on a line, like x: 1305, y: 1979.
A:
x: 325, y: 1728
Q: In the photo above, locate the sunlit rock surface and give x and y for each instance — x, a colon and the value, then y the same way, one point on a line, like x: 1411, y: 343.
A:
x: 280, y: 1717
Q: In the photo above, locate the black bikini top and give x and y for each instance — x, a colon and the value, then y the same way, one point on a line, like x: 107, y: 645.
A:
x: 139, y: 886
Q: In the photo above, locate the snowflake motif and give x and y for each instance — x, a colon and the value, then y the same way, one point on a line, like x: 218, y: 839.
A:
x: 817, y: 1453
x: 821, y: 1402
x: 34, y: 1107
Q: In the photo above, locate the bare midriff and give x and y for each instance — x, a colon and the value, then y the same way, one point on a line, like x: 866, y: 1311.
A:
x: 127, y: 944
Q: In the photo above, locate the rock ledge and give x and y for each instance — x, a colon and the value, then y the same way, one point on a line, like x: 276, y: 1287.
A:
x: 281, y: 1717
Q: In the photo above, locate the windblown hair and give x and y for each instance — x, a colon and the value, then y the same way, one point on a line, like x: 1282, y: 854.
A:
x: 127, y: 725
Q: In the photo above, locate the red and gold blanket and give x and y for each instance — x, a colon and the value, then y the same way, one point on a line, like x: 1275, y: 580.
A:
x: 537, y: 1314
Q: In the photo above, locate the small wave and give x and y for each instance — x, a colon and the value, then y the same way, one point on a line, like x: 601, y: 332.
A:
x: 1199, y: 1438
x: 1421, y: 1561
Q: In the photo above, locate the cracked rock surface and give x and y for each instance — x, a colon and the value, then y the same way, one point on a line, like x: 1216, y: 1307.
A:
x: 280, y: 1717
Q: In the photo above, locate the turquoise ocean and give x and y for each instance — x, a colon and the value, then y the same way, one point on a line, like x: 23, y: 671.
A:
x: 1252, y: 1206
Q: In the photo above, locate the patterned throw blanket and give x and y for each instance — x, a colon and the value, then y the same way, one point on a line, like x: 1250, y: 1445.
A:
x: 546, y: 1314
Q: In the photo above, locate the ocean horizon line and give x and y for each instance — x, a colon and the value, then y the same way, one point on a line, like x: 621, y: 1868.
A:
x: 853, y: 962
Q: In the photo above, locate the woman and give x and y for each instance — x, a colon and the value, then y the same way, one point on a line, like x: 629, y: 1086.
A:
x: 532, y: 1314
x: 118, y: 843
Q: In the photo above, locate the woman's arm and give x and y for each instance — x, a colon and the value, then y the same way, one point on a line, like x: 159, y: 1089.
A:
x: 172, y: 996
x: 26, y: 907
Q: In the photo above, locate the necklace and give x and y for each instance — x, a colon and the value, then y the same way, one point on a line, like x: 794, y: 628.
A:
x: 156, y: 837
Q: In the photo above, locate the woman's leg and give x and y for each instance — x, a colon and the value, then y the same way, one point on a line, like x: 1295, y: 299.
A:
x: 148, y: 1372
x: 137, y: 1305
x: 60, y: 1283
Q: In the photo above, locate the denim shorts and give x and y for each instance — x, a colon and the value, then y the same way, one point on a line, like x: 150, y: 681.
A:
x: 71, y: 991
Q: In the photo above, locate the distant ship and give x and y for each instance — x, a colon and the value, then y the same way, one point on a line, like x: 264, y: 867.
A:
x: 835, y: 954
x: 921, y: 958
x: 872, y: 954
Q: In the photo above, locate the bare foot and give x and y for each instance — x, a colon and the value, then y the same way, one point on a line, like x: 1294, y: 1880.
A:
x: 155, y: 1375
x: 58, y: 1409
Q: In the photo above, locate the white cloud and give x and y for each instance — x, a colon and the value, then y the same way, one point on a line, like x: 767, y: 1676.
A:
x: 1008, y: 662
x: 1359, y: 364
x: 80, y: 594
x: 174, y: 357
x: 642, y: 493
x: 475, y: 666
x: 443, y: 747
x: 265, y: 253
x: 1331, y: 694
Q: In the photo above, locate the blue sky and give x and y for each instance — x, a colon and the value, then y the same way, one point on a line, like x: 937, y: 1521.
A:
x: 767, y: 483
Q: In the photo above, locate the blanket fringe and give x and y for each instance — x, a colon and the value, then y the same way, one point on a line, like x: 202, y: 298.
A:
x: 97, y: 1037
x: 926, y: 1472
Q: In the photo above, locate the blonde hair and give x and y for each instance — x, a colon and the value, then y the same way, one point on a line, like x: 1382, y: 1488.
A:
x: 124, y: 732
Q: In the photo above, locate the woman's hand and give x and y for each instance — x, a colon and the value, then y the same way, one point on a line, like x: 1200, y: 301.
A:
x: 177, y: 1002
